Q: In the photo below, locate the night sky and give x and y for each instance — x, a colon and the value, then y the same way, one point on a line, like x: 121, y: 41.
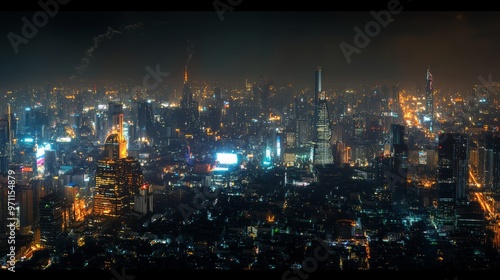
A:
x: 280, y: 45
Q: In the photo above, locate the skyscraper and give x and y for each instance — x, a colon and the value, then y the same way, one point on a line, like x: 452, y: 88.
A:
x: 398, y: 163
x: 189, y: 107
x: 318, y: 79
x: 51, y: 222
x: 429, y: 100
x: 108, y: 197
x: 323, y: 153
x: 452, y: 177
x: 145, y: 120
x: 115, y: 145
x: 118, y: 177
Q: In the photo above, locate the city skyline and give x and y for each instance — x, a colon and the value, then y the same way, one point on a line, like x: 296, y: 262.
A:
x: 292, y: 142
x: 119, y: 47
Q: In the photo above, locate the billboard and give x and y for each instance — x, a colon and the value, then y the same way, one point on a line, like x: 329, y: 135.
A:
x: 227, y: 158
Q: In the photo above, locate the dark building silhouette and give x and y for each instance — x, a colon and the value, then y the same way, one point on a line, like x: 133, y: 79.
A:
x: 52, y: 237
x: 189, y: 107
x: 398, y: 163
x: 145, y: 120
x: 452, y: 177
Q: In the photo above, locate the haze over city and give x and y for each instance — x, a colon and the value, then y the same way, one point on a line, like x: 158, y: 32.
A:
x: 283, y: 46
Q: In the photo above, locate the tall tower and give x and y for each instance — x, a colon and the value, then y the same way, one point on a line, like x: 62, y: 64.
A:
x: 187, y: 95
x: 323, y: 153
x: 322, y: 133
x: 318, y: 78
x: 429, y: 99
x: 398, y: 163
x: 189, y: 108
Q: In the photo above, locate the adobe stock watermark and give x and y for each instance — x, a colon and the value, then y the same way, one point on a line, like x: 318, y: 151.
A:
x: 200, y: 201
x: 156, y: 74
x: 221, y: 6
x: 13, y: 220
x: 309, y: 264
x: 29, y: 28
x: 371, y: 30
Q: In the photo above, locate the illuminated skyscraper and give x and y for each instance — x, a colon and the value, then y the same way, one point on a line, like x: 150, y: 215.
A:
x: 108, y: 197
x: 429, y: 100
x: 323, y: 153
x: 318, y: 78
x: 115, y: 145
x: 118, y: 177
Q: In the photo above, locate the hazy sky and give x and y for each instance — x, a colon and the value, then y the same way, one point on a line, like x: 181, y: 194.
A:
x: 283, y: 46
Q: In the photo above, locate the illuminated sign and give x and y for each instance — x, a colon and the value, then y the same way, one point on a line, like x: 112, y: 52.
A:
x: 227, y: 158
x: 267, y: 158
x: 63, y: 139
x: 217, y: 168
x: 40, y: 158
x: 278, y: 146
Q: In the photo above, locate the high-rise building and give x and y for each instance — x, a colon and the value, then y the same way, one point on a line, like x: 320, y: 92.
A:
x: 429, y: 100
x: 398, y: 134
x: 115, y: 145
x: 323, y: 153
x: 130, y: 180
x: 318, y: 82
x: 26, y: 208
x: 118, y: 177
x: 143, y: 201
x: 51, y: 222
x: 452, y: 177
x: 145, y: 120
x: 108, y: 197
x: 189, y: 107
x: 398, y: 163
x: 485, y: 162
x: 117, y: 182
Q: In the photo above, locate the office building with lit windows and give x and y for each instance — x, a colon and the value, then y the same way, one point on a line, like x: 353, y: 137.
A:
x: 118, y: 177
x: 322, y: 148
